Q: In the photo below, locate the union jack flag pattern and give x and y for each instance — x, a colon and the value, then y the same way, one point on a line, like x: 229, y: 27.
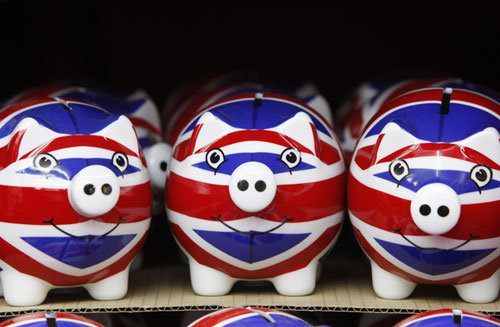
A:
x: 50, y: 319
x: 424, y: 192
x: 75, y: 197
x: 449, y: 318
x: 139, y: 109
x: 255, y: 189
x: 249, y: 317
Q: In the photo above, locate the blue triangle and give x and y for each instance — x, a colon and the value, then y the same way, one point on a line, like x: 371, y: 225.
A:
x: 80, y: 253
x: 431, y: 261
x: 250, y: 248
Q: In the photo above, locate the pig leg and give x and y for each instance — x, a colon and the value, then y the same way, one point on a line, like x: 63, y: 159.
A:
x: 111, y: 288
x: 389, y: 286
x: 483, y: 291
x: 23, y: 290
x: 297, y: 283
x: 208, y: 281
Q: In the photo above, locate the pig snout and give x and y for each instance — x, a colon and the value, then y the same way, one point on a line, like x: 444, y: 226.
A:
x: 435, y: 208
x: 94, y: 191
x: 252, y: 187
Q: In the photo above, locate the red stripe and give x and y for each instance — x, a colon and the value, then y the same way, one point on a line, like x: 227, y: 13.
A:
x: 139, y: 122
x: 303, y: 202
x: 72, y: 141
x: 220, y: 316
x: 440, y: 150
x: 27, y: 265
x: 298, y: 261
x: 388, y: 212
x: 474, y: 276
x: 31, y: 206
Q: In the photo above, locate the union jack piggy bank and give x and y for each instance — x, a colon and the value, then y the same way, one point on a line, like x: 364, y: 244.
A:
x: 248, y: 317
x: 50, y: 319
x: 424, y: 192
x: 255, y: 189
x: 137, y: 106
x: 75, y: 197
x: 449, y: 318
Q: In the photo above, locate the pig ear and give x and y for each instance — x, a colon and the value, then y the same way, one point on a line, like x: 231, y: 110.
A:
x: 34, y: 135
x: 394, y: 138
x: 486, y: 142
x: 208, y: 130
x: 320, y: 104
x: 123, y: 132
x: 300, y: 128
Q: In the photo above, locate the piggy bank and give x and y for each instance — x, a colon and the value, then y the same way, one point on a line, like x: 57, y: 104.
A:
x: 424, y: 192
x: 140, y: 110
x: 50, y: 319
x: 449, y: 318
x: 255, y: 189
x: 248, y: 317
x: 75, y: 197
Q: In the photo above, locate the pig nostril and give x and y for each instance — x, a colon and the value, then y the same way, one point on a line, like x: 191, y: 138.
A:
x: 425, y: 210
x: 89, y: 189
x: 106, y: 189
x: 260, y: 186
x: 243, y: 185
x: 443, y: 211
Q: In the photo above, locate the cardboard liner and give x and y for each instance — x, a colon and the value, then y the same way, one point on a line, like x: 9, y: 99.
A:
x: 344, y: 286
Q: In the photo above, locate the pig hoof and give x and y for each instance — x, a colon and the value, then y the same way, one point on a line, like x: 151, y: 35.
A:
x: 483, y: 291
x: 389, y: 286
x: 111, y: 288
x: 208, y: 281
x: 297, y: 283
x: 23, y: 290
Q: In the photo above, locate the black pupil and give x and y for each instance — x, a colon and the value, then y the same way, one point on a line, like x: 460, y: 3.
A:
x: 214, y: 158
x: 120, y: 161
x: 399, y: 169
x: 163, y: 166
x: 481, y: 175
x: 291, y: 157
x: 45, y: 162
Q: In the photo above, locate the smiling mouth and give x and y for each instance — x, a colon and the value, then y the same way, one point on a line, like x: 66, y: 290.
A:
x: 251, y: 234
x: 471, y: 237
x: 86, y: 238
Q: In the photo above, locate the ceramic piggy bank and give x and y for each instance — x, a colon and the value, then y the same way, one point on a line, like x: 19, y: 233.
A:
x: 75, y: 198
x: 255, y: 189
x: 249, y: 317
x: 140, y: 110
x: 424, y: 192
x: 50, y: 319
x: 449, y: 318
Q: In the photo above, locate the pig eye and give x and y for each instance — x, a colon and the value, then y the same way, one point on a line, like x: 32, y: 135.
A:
x: 291, y: 158
x: 45, y: 162
x: 399, y: 169
x: 481, y: 175
x: 120, y: 161
x: 215, y: 158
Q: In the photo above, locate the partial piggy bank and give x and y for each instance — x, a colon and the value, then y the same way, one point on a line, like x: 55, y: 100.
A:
x: 139, y: 109
x: 449, y: 318
x: 250, y: 317
x: 48, y: 319
x: 75, y: 197
x: 424, y: 193
x: 255, y: 189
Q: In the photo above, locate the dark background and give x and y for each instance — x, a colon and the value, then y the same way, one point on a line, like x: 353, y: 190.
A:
x: 157, y: 46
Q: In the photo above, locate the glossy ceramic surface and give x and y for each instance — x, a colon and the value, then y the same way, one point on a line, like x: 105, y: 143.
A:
x: 50, y: 319
x: 255, y: 189
x: 76, y: 199
x: 424, y: 192
x: 449, y: 318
